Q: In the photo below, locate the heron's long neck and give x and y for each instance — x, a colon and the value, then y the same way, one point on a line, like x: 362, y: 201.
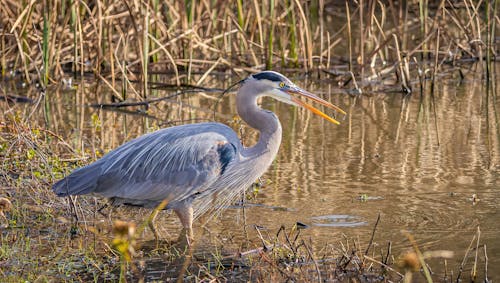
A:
x: 266, y: 123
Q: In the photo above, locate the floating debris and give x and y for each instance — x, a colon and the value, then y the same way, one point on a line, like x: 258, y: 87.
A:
x: 474, y: 199
x: 301, y: 225
x: 365, y: 197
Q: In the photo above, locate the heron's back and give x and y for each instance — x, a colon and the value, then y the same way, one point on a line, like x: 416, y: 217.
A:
x: 173, y: 163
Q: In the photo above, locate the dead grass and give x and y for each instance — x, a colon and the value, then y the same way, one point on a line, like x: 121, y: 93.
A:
x: 126, y: 46
x: 47, y: 41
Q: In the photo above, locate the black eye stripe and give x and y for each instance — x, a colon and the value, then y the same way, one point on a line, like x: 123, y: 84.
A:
x: 272, y: 76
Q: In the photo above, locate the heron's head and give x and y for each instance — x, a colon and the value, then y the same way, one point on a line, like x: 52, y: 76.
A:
x: 277, y: 86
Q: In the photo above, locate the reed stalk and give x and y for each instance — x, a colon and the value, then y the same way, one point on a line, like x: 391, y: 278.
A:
x: 493, y: 25
x: 404, y: 40
x: 145, y: 54
x: 405, y: 85
x: 258, y: 19
x: 292, y: 31
x: 313, y: 15
x: 241, y: 26
x: 490, y: 34
x: 241, y: 21
x: 156, y: 30
x: 22, y: 41
x: 45, y: 45
x: 81, y: 42
x: 124, y: 69
x: 349, y: 33
x: 45, y: 59
x: 190, y: 4
x: 270, y: 39
x: 362, y: 38
x: 423, y: 12
x: 321, y: 30
x: 3, y: 62
x: 75, y: 37
x: 282, y: 45
x: 100, y: 40
x: 111, y: 47
x: 436, y: 58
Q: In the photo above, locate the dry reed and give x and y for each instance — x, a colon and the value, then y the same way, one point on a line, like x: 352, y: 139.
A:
x: 49, y: 40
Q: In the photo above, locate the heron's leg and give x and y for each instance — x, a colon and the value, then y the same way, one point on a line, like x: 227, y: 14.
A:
x: 152, y: 218
x: 186, y: 239
x: 151, y: 224
x: 185, y: 213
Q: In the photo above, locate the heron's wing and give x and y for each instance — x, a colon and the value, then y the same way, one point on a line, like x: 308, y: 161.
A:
x: 172, y: 164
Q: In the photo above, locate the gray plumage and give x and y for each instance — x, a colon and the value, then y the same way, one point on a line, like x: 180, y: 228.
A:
x: 175, y: 163
x: 196, y: 167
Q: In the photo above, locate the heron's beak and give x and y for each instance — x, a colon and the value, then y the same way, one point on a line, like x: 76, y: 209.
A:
x: 295, y: 92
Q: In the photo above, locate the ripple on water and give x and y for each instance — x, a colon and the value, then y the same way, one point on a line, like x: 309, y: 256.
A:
x: 337, y: 220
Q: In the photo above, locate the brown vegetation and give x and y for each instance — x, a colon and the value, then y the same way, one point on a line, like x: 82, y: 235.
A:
x: 129, y: 41
x: 132, y: 48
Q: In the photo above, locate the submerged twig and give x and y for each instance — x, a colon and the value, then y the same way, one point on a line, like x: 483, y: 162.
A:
x: 384, y: 265
x: 373, y: 234
x: 143, y: 103
x: 464, y: 260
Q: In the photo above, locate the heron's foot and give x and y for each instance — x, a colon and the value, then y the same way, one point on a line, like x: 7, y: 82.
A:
x: 152, y: 226
x: 186, y: 239
x: 185, y: 245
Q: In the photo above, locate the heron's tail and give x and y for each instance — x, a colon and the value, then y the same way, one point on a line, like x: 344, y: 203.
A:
x: 79, y: 182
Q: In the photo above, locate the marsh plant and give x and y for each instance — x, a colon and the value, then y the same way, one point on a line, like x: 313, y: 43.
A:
x: 130, y: 41
x: 130, y: 60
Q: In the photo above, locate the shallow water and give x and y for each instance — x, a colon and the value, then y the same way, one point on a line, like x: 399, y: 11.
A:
x: 416, y: 165
x: 415, y: 160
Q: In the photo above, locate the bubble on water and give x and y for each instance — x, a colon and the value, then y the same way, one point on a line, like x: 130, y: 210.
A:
x: 338, y: 220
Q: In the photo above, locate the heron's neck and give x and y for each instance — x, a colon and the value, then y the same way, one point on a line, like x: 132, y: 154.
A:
x: 265, y: 122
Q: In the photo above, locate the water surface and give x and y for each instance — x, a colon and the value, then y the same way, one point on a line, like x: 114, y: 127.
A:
x: 416, y: 160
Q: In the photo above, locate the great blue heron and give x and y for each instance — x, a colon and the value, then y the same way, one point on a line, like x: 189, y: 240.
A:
x: 196, y: 167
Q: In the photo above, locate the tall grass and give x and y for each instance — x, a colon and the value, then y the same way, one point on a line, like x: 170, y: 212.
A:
x: 45, y: 45
x: 292, y: 30
x: 270, y: 39
x: 125, y: 40
x: 423, y: 13
x: 145, y: 52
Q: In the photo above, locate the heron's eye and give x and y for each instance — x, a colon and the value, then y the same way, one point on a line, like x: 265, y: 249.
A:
x: 282, y: 84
